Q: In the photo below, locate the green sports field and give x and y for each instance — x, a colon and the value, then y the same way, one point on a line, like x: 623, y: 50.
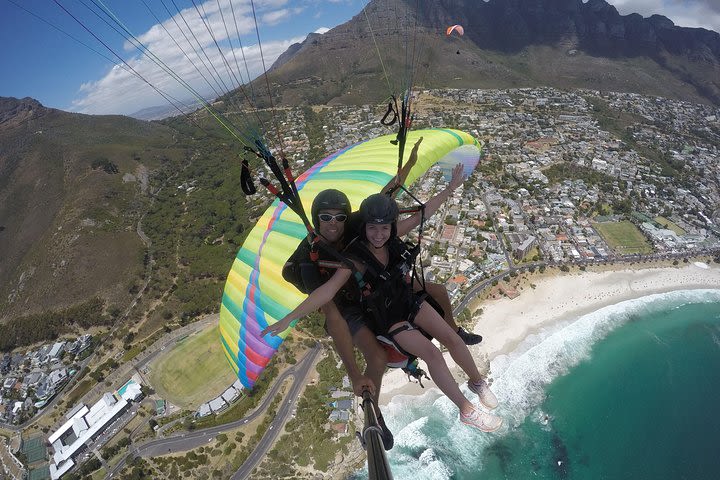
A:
x: 623, y: 237
x: 193, y: 371
x: 670, y: 225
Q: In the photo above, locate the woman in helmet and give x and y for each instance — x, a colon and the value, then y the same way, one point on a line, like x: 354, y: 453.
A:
x: 393, y: 308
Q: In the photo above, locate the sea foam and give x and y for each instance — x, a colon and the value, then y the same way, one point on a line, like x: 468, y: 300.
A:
x: 431, y: 442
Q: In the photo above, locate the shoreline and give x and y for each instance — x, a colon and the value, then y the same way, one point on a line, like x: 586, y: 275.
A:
x: 553, y: 298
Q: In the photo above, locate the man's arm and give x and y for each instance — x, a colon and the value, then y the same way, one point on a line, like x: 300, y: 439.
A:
x: 338, y: 329
x: 431, y: 206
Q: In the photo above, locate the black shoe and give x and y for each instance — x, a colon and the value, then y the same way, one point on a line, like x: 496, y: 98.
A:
x: 469, y: 338
x: 387, y: 436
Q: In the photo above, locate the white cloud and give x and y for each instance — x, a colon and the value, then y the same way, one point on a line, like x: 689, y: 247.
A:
x: 278, y: 16
x: 195, y: 59
x: 683, y: 13
x: 322, y: 30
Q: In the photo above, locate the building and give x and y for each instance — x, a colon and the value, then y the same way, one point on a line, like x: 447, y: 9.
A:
x: 85, y: 424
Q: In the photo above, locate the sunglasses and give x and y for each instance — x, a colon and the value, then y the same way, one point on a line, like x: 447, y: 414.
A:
x: 326, y: 217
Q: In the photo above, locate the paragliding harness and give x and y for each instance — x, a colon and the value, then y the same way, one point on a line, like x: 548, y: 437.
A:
x: 388, y: 291
x: 399, y: 358
x: 402, y: 116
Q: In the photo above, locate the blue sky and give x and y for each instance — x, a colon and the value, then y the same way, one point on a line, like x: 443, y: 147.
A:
x: 43, y: 63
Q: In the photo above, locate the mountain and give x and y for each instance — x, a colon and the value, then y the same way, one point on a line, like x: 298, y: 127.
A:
x: 155, y: 113
x: 160, y: 112
x: 72, y: 188
x: 507, y: 44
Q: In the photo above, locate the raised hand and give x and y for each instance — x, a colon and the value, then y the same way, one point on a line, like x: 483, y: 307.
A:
x: 413, y: 153
x: 457, y: 177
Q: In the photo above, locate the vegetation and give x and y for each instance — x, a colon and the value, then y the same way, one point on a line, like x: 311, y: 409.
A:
x: 610, y: 120
x: 665, y: 223
x: 49, y: 325
x: 196, y: 226
x: 85, y: 469
x: 572, y: 171
x: 308, y: 441
x: 111, y: 451
x: 314, y: 131
x: 105, y: 164
x: 82, y: 388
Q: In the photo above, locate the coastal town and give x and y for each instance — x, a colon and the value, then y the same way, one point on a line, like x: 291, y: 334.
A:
x: 563, y: 180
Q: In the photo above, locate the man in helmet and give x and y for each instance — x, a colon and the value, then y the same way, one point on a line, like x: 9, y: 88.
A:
x: 329, y: 213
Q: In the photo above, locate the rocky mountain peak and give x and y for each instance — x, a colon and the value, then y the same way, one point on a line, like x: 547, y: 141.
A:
x: 13, y: 110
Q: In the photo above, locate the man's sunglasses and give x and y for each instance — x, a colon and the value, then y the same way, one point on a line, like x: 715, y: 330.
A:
x: 326, y: 217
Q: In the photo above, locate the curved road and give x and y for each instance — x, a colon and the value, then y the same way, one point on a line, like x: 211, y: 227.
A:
x: 190, y: 440
x: 287, y: 405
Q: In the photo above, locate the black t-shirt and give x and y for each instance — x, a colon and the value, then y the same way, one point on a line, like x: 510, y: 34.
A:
x: 307, y: 275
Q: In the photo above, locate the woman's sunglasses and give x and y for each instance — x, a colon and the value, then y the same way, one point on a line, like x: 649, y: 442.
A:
x: 326, y: 217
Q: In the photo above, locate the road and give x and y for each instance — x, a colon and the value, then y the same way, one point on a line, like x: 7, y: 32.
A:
x: 287, y: 405
x: 190, y: 440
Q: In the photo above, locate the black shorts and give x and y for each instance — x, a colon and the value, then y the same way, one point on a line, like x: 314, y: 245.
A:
x: 354, y: 318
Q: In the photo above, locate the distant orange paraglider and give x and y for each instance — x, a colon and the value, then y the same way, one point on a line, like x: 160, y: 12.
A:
x: 455, y: 28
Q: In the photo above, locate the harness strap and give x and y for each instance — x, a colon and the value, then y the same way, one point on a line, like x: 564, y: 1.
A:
x: 391, y: 110
x: 246, y: 183
x: 402, y: 328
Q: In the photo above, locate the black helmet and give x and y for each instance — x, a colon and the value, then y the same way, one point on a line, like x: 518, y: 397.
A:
x: 327, y: 200
x: 379, y: 209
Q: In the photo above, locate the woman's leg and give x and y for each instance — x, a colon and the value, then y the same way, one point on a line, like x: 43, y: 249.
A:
x: 416, y: 343
x: 429, y: 320
x: 440, y: 294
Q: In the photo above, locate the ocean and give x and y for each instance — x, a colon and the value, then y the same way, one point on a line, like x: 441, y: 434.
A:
x: 631, y: 391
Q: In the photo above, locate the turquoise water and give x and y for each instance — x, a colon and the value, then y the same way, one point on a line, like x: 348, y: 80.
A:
x: 630, y: 391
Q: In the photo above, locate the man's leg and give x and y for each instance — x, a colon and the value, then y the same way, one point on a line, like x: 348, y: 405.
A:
x: 374, y: 354
x: 375, y: 364
x: 439, y: 293
x: 339, y: 330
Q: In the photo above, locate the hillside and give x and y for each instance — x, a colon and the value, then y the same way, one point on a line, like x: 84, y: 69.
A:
x: 507, y: 44
x: 72, y: 188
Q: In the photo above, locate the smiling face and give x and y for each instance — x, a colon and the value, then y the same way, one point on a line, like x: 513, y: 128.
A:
x: 331, y: 231
x: 378, y: 234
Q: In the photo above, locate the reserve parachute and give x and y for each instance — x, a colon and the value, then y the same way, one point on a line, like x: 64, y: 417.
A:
x: 255, y: 293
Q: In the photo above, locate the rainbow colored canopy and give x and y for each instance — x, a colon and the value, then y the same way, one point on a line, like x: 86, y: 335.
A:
x: 255, y: 293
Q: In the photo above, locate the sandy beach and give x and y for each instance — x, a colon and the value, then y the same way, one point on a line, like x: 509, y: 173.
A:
x: 556, y: 296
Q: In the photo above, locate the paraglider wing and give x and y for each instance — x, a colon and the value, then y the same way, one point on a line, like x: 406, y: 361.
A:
x: 255, y: 294
x: 455, y: 28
